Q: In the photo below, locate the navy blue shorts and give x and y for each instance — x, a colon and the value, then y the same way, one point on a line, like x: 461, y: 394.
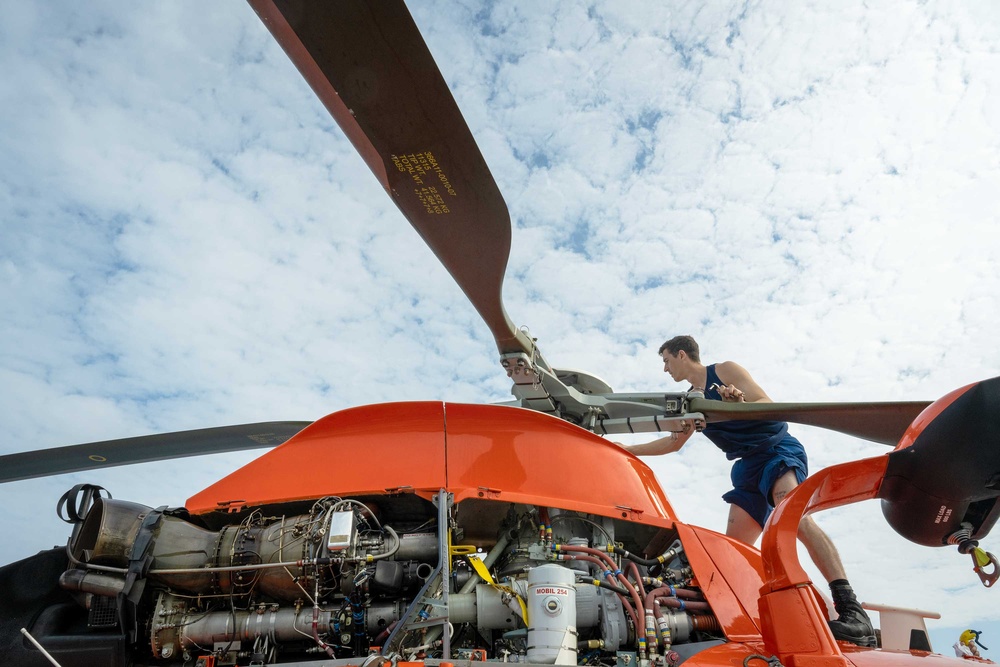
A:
x: 754, y: 476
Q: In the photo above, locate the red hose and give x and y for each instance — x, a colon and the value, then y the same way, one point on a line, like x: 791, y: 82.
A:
x: 672, y: 602
x: 634, y: 571
x: 625, y: 601
x: 706, y: 622
x: 621, y: 577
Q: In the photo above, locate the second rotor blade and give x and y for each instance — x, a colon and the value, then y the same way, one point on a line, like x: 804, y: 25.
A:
x: 146, y: 448
x: 884, y: 423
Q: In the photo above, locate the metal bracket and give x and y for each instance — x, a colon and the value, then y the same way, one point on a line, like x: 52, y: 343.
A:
x: 629, y: 513
x: 980, y: 560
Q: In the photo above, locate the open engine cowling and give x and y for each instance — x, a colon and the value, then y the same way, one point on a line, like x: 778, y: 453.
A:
x: 342, y: 576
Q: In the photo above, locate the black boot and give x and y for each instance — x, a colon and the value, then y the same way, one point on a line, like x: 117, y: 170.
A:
x: 853, y: 624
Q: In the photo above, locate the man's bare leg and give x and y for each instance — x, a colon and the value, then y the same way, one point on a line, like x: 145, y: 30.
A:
x: 742, y: 526
x: 817, y: 543
x: 853, y: 624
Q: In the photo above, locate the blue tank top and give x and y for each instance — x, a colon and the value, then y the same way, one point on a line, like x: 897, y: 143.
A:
x: 739, y: 438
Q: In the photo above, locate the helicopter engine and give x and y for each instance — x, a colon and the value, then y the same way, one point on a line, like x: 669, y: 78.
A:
x: 347, y: 578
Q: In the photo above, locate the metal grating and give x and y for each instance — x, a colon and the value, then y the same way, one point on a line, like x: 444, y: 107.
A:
x: 103, y: 612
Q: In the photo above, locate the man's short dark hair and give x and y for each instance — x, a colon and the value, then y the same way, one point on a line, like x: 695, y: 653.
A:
x: 678, y: 343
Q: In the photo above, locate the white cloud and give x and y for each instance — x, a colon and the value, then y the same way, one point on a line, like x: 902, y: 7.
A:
x: 187, y: 239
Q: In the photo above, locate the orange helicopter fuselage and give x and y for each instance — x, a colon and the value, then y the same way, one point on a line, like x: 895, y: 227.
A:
x: 763, y: 600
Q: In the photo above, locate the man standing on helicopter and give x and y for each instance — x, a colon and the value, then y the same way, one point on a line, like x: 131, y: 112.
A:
x: 768, y: 464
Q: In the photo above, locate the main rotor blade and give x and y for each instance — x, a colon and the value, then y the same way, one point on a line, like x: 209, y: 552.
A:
x: 146, y: 448
x: 884, y: 423
x: 370, y: 67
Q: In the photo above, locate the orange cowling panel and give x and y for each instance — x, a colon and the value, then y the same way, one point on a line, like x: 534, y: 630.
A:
x: 726, y: 655
x: 356, y: 451
x: 498, y: 452
x: 524, y: 456
x: 730, y: 574
x: 866, y: 658
x: 929, y: 414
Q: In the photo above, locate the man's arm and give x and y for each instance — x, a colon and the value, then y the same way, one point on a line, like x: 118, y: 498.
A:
x: 666, y: 445
x: 740, y: 387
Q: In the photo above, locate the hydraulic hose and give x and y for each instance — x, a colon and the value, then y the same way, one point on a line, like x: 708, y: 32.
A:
x: 676, y: 591
x: 668, y: 555
x: 656, y: 625
x: 633, y: 569
x: 617, y: 573
x: 665, y: 600
x: 611, y: 563
x: 610, y: 585
x: 706, y: 622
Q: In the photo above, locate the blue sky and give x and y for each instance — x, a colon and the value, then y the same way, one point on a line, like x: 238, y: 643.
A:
x: 810, y: 190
